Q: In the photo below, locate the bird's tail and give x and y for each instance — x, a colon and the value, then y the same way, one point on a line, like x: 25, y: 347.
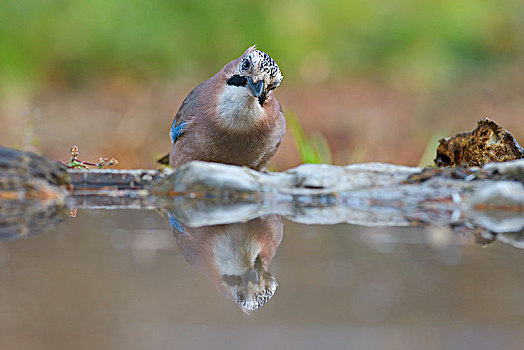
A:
x: 164, y: 159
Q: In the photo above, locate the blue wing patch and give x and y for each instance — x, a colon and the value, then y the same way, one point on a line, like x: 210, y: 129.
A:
x: 177, y: 130
x: 175, y: 224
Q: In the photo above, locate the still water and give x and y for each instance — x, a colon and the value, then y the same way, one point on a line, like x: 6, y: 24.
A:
x: 120, y: 279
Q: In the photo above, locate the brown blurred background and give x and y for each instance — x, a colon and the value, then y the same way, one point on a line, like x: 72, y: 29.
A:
x: 364, y: 80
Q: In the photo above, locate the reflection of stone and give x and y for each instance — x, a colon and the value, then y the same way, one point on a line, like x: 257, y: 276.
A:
x: 498, y: 208
x: 515, y: 239
x: 236, y: 257
x: 29, y: 217
x: 487, y: 143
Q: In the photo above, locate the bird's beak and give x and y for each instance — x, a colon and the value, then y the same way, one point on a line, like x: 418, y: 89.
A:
x: 256, y: 88
x: 251, y: 276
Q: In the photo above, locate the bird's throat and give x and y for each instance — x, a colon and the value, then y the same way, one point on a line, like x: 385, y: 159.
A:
x: 238, y: 109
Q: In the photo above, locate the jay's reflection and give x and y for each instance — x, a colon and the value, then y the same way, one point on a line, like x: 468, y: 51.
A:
x: 235, y: 257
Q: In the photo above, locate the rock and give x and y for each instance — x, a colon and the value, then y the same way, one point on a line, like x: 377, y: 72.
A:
x: 28, y: 175
x: 487, y: 143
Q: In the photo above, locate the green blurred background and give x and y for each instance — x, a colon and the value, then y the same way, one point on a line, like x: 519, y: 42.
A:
x: 366, y: 80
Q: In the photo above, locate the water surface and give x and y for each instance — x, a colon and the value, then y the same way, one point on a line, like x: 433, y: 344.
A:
x: 118, y: 280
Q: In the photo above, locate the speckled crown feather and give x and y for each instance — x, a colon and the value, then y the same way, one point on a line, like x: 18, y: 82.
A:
x: 261, y: 62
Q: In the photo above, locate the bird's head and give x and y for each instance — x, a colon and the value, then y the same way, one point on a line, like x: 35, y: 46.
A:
x: 257, y: 72
x: 253, y: 288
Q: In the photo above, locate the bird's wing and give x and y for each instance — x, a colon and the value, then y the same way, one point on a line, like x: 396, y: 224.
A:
x: 185, y: 114
x: 177, y: 130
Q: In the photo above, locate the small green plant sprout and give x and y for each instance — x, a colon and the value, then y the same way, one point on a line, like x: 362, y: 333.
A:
x: 313, y: 148
x: 75, y: 163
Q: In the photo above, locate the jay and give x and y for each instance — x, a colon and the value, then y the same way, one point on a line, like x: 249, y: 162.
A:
x: 233, y: 117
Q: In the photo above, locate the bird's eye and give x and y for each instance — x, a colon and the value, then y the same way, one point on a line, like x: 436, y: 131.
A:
x: 246, y: 64
x: 241, y: 297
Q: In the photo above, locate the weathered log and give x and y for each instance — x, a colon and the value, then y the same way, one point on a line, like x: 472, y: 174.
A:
x: 200, y: 193
x: 97, y: 179
x: 367, y: 194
